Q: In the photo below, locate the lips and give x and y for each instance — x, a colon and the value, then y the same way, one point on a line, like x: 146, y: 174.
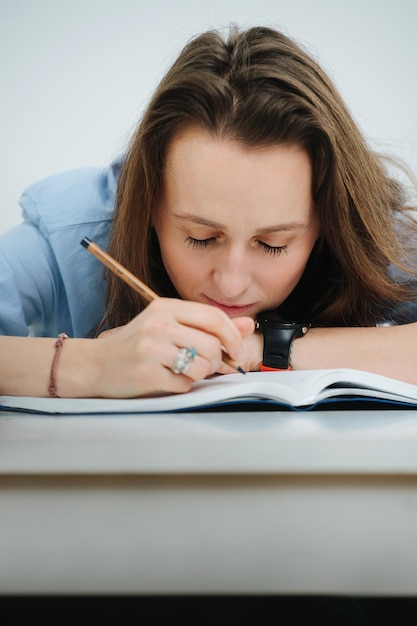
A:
x: 232, y: 310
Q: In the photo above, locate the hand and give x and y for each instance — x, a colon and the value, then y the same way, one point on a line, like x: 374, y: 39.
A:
x: 136, y: 359
x: 250, y: 353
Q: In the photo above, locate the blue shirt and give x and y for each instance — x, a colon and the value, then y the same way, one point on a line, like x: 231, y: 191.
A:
x: 49, y: 283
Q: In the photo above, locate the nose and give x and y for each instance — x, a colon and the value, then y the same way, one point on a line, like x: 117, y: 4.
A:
x: 232, y: 274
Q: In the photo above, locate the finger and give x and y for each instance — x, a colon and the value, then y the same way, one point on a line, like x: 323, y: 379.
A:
x: 195, y: 367
x: 208, y: 346
x: 206, y: 318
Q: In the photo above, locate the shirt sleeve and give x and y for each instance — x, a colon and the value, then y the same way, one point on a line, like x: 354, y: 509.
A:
x: 32, y: 298
x: 48, y: 282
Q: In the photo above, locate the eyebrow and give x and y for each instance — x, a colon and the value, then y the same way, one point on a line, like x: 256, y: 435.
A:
x: 287, y: 226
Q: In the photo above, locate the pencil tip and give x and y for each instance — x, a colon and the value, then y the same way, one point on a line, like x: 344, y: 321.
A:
x: 241, y: 370
x: 85, y: 242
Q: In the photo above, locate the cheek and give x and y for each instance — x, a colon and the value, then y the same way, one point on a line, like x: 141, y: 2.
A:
x: 184, y: 269
x: 284, y: 273
x: 300, y: 261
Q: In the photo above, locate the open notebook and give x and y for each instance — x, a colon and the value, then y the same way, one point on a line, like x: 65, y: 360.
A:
x: 296, y: 390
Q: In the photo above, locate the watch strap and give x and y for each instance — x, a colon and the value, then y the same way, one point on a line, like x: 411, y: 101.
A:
x: 278, y: 339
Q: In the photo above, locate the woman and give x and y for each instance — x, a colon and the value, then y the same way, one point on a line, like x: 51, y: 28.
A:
x: 248, y: 200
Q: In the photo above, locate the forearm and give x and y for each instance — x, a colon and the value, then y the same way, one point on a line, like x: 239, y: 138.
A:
x: 25, y: 366
x: 133, y: 361
x: 387, y: 350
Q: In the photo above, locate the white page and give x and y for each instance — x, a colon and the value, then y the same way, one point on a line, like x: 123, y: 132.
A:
x: 300, y: 388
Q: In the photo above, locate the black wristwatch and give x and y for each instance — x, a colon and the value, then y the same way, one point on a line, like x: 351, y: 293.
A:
x: 278, y: 338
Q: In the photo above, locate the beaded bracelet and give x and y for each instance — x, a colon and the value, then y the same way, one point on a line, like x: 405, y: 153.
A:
x: 58, y: 347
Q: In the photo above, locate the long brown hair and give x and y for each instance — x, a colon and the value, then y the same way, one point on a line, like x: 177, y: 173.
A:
x: 260, y: 88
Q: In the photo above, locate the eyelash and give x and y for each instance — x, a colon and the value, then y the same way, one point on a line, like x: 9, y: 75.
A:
x: 200, y: 243
x: 273, y: 250
x: 206, y: 243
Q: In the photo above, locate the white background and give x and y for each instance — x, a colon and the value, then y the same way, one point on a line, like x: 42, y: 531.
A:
x: 75, y: 75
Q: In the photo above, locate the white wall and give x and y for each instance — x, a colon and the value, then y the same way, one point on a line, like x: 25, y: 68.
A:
x: 76, y: 74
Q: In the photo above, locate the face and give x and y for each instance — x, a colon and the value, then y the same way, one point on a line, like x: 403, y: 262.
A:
x: 236, y: 225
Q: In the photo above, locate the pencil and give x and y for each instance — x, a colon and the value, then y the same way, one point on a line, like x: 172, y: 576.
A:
x: 136, y: 284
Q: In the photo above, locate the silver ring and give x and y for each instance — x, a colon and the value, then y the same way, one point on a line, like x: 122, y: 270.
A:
x: 183, y: 360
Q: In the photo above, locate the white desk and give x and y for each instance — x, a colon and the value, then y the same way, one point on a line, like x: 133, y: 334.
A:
x: 259, y: 502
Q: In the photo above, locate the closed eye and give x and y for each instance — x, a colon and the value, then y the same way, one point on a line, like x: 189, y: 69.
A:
x: 205, y: 243
x: 273, y: 250
x: 200, y: 243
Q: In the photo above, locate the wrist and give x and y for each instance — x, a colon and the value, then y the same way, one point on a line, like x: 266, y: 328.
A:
x: 77, y: 375
x: 257, y: 342
x: 298, y: 349
x: 278, y: 339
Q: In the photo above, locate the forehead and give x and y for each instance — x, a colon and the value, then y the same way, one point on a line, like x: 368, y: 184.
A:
x: 219, y: 176
x: 196, y: 143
